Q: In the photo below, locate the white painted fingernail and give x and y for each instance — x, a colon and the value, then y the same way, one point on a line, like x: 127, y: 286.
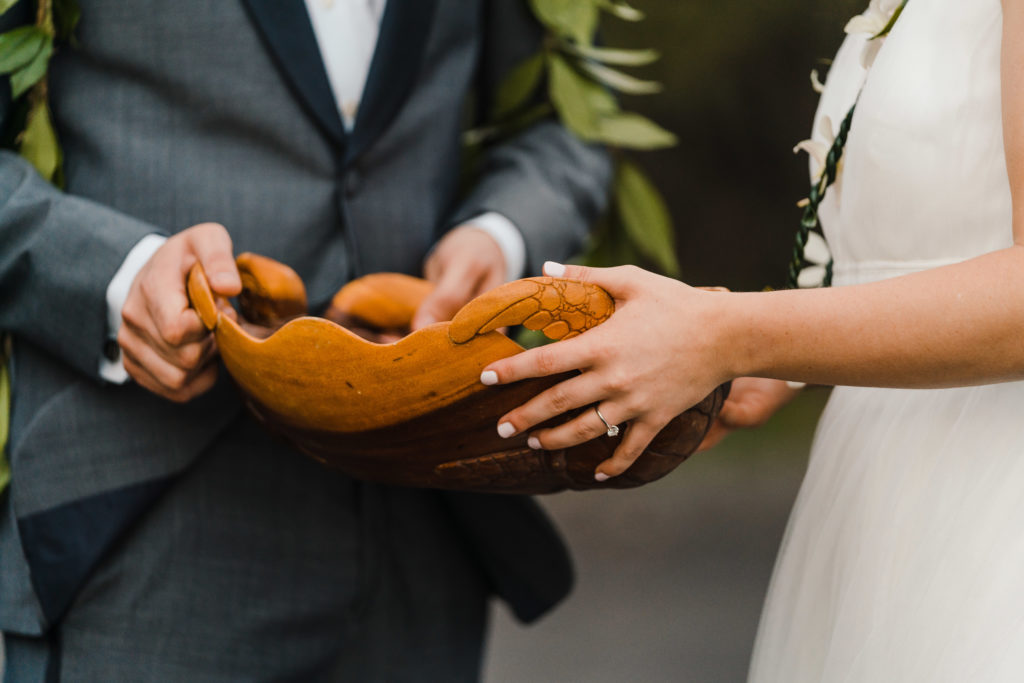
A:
x: 534, y: 443
x: 552, y: 269
x: 489, y: 377
x: 601, y: 476
x: 505, y: 430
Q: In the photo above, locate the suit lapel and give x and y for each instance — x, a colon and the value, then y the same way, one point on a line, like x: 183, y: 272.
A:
x: 286, y: 28
x: 404, y: 30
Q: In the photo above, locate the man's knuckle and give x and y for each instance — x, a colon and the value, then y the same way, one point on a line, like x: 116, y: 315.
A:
x: 123, y: 338
x: 131, y: 316
x: 174, y: 333
x: 190, y: 356
x: 147, y: 288
x: 175, y: 379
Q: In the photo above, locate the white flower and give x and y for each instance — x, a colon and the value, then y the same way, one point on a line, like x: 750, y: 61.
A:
x: 816, y: 83
x: 817, y: 254
x: 872, y: 22
x: 875, y: 18
x: 818, y: 149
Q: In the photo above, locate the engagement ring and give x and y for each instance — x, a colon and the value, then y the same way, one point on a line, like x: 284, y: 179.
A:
x: 613, y: 430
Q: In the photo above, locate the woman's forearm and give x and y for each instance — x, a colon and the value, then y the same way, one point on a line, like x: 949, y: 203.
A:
x: 954, y: 325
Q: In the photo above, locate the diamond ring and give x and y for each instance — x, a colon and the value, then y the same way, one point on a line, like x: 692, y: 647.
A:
x: 613, y: 430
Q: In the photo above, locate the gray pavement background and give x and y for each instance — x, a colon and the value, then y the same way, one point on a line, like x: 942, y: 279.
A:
x: 670, y: 578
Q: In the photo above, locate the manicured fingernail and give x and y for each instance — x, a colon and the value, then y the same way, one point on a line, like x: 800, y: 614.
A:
x: 552, y: 269
x: 505, y: 430
x: 534, y: 443
x: 601, y: 476
x: 489, y: 377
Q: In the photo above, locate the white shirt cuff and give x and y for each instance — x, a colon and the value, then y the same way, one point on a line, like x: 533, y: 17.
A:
x: 111, y: 367
x: 509, y: 240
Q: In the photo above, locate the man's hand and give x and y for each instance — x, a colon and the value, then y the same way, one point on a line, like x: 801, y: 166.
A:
x: 466, y: 262
x: 751, y: 402
x: 164, y: 345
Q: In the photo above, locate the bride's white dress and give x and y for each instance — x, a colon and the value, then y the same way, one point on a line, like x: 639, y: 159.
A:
x: 904, y: 556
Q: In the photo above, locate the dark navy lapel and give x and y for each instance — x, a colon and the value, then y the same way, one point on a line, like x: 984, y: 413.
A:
x: 405, y: 28
x: 286, y: 28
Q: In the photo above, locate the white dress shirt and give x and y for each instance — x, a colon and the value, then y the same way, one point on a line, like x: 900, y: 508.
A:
x: 346, y: 33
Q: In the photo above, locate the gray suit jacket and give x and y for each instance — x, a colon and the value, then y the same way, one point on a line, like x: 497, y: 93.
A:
x: 176, y: 112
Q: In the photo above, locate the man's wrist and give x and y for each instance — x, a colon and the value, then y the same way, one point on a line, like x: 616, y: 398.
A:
x: 111, y: 367
x: 509, y: 239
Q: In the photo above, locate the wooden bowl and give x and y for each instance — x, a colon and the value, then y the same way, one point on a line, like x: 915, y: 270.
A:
x: 413, y: 412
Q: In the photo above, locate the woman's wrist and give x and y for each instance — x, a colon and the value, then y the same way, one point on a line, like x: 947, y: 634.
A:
x: 740, y: 337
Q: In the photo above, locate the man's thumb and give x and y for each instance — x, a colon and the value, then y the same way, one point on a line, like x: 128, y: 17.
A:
x: 212, y: 246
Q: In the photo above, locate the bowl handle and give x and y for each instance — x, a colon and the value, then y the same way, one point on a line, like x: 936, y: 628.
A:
x: 201, y: 297
x: 561, y: 309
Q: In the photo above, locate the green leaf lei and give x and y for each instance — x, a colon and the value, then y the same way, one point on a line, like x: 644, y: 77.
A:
x: 25, y: 54
x: 809, y: 221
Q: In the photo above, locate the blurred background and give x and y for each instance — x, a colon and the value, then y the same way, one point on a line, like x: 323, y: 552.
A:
x: 670, y: 578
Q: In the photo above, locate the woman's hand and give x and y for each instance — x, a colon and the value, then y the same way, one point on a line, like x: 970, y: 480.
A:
x: 658, y: 356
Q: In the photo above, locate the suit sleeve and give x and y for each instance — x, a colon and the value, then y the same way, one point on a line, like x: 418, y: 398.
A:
x: 548, y: 182
x: 58, y: 253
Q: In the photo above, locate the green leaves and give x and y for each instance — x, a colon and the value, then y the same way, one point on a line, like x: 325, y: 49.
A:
x: 25, y: 57
x: 39, y: 142
x: 66, y: 14
x: 618, y: 80
x: 576, y: 19
x: 621, y: 10
x: 581, y: 79
x: 24, y: 54
x: 590, y: 111
x: 517, y: 88
x: 645, y: 217
x: 614, y: 56
x: 24, y: 78
x: 634, y: 131
x: 580, y: 102
x: 19, y: 46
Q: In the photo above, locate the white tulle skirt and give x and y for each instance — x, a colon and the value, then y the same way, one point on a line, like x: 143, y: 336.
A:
x: 904, y: 556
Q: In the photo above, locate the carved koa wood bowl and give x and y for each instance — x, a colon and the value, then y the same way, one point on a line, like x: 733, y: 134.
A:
x: 413, y: 412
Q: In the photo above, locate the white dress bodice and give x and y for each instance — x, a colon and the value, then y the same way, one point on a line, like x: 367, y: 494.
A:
x: 924, y: 172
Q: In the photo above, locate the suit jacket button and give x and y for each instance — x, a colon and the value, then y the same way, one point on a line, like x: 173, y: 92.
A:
x: 353, y: 183
x: 111, y: 351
